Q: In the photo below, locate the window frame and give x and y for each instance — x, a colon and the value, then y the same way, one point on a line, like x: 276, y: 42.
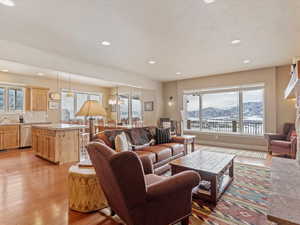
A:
x: 6, y: 109
x: 75, y: 101
x: 130, y: 98
x: 239, y: 91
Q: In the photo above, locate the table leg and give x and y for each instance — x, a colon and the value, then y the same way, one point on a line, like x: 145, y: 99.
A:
x: 214, y: 191
x: 185, y: 149
x: 193, y: 145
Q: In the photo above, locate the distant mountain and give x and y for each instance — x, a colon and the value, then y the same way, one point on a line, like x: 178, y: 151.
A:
x: 251, y: 109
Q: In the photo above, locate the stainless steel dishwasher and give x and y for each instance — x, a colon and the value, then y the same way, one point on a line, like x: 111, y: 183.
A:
x: 25, y: 135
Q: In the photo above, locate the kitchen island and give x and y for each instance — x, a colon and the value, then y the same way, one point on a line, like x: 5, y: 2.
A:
x: 57, y: 143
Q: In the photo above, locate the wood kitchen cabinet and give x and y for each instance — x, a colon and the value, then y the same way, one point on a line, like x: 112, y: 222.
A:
x: 36, y: 99
x: 9, y: 137
x: 56, y: 144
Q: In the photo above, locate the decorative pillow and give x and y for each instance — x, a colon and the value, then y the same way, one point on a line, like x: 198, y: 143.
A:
x: 139, y: 136
x: 111, y: 136
x: 163, y: 135
x: 121, y: 143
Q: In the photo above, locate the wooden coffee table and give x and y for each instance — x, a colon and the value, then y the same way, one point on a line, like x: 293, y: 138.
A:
x: 215, y: 168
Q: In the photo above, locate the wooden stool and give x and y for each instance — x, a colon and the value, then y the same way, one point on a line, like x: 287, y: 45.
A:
x: 85, y: 192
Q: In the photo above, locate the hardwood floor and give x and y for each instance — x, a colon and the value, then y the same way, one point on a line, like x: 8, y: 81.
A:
x: 34, y: 192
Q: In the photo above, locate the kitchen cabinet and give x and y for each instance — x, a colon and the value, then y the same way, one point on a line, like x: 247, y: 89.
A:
x: 36, y: 99
x: 57, y: 143
x: 9, y: 137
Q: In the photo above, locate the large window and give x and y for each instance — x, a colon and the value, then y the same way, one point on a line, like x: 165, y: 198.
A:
x: 71, y: 103
x: 11, y: 99
x: 130, y: 109
x: 238, y: 110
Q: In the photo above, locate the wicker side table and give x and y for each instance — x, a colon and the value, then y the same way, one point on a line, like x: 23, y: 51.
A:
x: 85, y: 192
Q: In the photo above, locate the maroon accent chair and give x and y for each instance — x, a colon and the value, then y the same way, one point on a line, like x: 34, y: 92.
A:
x: 284, y: 143
x: 138, y: 196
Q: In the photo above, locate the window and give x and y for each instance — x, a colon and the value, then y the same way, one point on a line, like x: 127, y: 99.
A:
x: 80, y: 100
x: 130, y: 109
x: 124, y: 109
x: 239, y: 110
x: 11, y: 99
x: 71, y: 104
x: 136, y: 109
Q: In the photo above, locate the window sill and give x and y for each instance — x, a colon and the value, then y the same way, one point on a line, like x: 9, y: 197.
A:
x: 214, y: 133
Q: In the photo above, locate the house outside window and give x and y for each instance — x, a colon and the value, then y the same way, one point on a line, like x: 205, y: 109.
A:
x: 71, y: 104
x: 234, y: 110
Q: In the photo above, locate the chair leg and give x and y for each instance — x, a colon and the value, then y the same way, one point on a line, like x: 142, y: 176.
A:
x: 185, y: 221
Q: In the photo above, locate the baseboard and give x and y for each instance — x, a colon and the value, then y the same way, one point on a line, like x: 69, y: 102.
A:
x: 232, y: 145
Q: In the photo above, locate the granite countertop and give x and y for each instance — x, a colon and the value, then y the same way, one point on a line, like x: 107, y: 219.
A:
x: 60, y: 126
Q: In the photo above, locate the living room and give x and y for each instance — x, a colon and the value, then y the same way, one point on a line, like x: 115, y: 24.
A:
x: 149, y: 112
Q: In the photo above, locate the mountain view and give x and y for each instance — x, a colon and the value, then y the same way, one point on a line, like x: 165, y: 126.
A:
x: 252, y: 110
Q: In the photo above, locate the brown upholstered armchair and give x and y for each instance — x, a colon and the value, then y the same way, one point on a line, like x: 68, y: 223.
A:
x: 137, y: 195
x: 285, y: 143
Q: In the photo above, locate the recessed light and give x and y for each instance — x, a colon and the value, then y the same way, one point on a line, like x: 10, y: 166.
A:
x: 7, y: 3
x: 247, y: 61
x: 236, y: 41
x: 178, y: 73
x: 4, y: 71
x: 40, y: 74
x: 209, y: 1
x: 151, y: 62
x: 105, y: 43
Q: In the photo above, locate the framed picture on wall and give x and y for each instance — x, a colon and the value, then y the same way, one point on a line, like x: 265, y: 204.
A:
x: 53, y: 105
x: 148, y: 106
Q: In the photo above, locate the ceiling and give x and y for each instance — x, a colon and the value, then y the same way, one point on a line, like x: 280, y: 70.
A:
x: 26, y: 70
x: 186, y: 36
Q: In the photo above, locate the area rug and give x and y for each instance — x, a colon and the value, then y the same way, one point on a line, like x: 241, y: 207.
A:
x: 238, y: 152
x: 244, y: 203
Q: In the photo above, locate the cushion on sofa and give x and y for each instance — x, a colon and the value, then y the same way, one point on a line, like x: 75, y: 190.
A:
x: 176, y: 148
x: 161, y: 152
x: 139, y: 136
x: 163, y: 135
x: 121, y: 143
x: 151, y: 155
x: 283, y: 144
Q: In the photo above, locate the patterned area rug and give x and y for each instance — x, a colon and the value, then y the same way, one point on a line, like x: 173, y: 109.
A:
x: 244, y: 203
x: 244, y: 153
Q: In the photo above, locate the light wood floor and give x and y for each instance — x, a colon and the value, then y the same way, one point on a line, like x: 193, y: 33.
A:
x: 34, y: 192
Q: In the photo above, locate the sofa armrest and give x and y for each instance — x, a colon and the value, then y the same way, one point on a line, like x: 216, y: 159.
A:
x: 147, y: 164
x: 186, y: 180
x: 178, y: 139
x: 294, y: 147
x: 273, y: 136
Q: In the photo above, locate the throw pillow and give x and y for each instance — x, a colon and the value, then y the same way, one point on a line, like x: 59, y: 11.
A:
x: 139, y: 136
x: 121, y: 143
x: 163, y: 135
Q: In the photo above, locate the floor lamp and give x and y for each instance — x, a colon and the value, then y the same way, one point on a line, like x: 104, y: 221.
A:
x: 91, y: 108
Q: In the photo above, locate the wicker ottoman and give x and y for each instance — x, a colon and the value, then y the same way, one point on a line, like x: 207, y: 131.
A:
x: 85, y: 192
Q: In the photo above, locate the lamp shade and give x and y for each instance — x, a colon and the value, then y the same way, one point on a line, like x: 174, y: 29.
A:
x: 91, y: 108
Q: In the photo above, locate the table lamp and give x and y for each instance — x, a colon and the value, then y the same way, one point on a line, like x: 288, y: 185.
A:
x: 91, y: 108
